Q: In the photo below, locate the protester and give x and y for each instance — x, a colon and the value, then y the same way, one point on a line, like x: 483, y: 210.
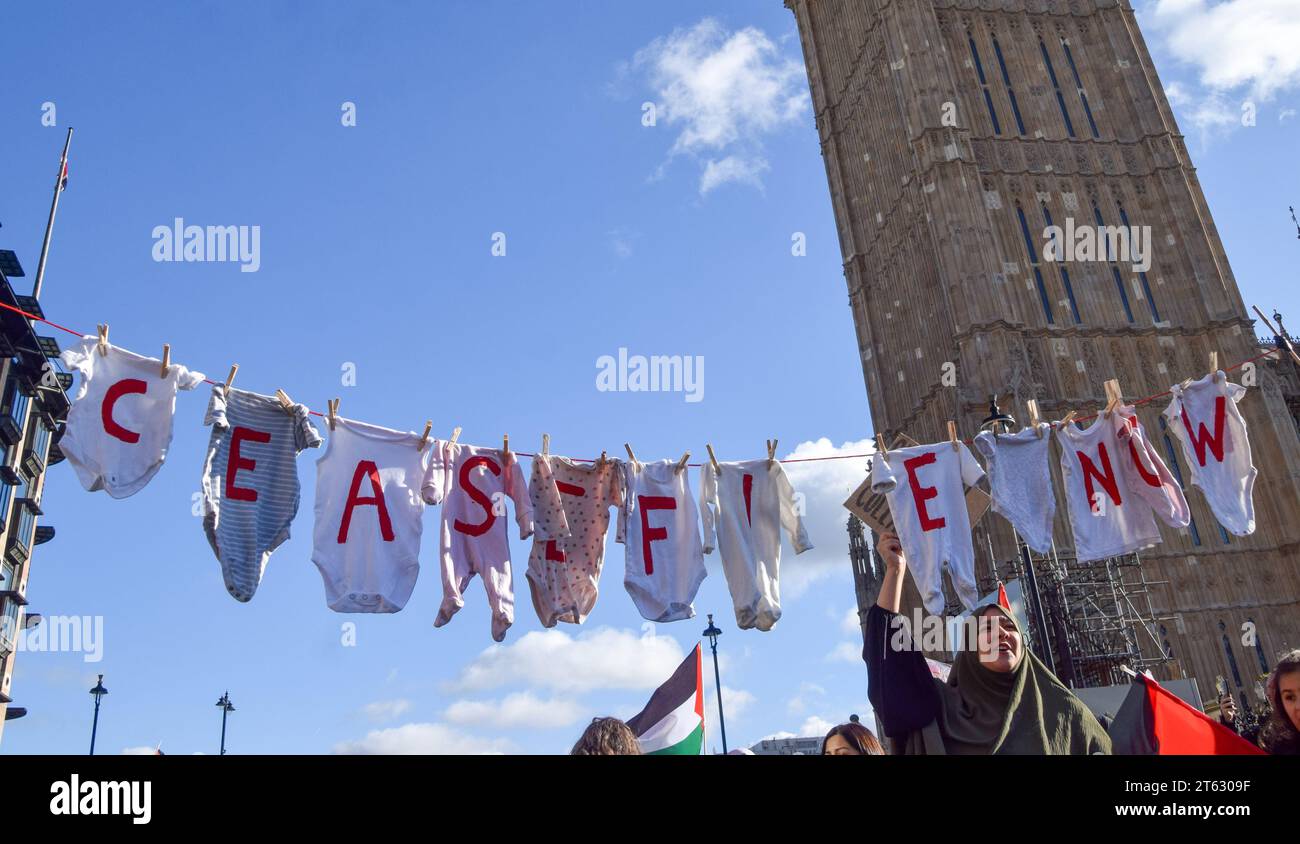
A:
x: 999, y: 698
x: 607, y: 737
x: 1280, y: 734
x: 851, y: 739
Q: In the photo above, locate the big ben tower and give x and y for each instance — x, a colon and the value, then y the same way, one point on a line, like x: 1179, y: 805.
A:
x: 955, y: 133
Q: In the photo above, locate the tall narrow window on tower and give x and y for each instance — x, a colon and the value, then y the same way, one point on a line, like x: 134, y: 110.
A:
x: 1056, y: 87
x: 1232, y: 658
x: 1065, y: 274
x: 1006, y: 78
x: 1033, y: 265
x: 984, y: 84
x: 1078, y: 83
x: 1146, y: 286
x: 1114, y: 271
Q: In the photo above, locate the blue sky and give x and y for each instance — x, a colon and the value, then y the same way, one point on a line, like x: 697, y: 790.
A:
x: 376, y: 253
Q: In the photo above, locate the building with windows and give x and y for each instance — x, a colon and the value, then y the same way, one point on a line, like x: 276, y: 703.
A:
x: 954, y: 135
x: 33, y: 404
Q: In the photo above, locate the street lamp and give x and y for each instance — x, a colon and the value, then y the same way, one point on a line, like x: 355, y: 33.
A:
x: 226, y: 708
x: 713, y: 633
x: 99, y: 691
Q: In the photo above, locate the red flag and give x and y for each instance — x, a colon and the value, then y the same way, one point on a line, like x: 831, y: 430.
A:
x: 1003, y: 601
x: 1155, y: 721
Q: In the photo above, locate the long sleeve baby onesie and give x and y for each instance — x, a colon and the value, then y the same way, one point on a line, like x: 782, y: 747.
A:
x: 1020, y: 480
x: 366, y: 541
x: 744, y: 507
x: 250, y: 481
x: 664, y: 558
x: 925, y: 486
x: 472, y: 484
x: 1205, y: 419
x: 1107, y: 516
x: 120, y: 423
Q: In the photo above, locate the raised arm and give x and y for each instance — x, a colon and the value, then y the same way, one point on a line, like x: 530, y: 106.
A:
x: 891, y: 588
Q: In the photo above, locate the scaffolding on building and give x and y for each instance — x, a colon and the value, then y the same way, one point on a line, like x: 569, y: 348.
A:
x: 1086, y: 619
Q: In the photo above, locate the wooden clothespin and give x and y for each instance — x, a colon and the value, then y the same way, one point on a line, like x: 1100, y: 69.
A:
x: 546, y: 445
x: 602, y: 460
x: 713, y: 458
x: 1032, y: 404
x: 333, y: 405
x: 285, y: 401
x: 103, y: 338
x: 166, y: 361
x: 681, y: 464
x: 631, y: 456
x: 952, y: 434
x: 771, y: 453
x: 1069, y: 417
x: 505, y: 445
x: 1214, y: 366
x: 455, y: 435
x: 880, y: 445
x: 230, y: 379
x: 1114, y: 396
x: 424, y: 440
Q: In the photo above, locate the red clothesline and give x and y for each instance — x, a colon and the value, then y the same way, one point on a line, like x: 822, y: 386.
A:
x: 1135, y: 403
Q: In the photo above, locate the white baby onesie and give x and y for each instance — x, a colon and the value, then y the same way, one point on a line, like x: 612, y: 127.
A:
x: 1107, y: 517
x: 366, y: 541
x: 474, y: 482
x: 120, y: 423
x: 660, y: 526
x: 930, y: 515
x: 1020, y: 480
x: 1207, y: 422
x: 744, y: 507
x: 1149, y: 477
x: 571, y: 502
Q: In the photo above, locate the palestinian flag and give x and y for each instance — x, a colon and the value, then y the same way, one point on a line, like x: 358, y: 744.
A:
x: 672, y: 723
x: 1154, y: 721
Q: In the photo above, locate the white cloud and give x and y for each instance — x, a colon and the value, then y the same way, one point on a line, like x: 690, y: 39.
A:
x: 1240, y: 51
x: 816, y: 726
x: 737, y: 701
x: 845, y: 652
x: 1285, y: 114
x: 385, y: 710
x: 733, y: 168
x: 1234, y: 44
x: 515, y: 711
x: 850, y: 624
x: 723, y: 91
x: 605, y: 658
x: 421, y: 738
x: 799, y: 703
x: 824, y: 485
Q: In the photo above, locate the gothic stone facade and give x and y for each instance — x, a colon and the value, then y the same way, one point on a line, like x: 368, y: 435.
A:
x: 953, y: 133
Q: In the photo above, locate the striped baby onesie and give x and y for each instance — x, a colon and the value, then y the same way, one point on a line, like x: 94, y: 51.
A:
x: 250, y: 481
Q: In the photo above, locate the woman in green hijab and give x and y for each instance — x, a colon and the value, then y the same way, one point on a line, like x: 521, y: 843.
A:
x: 999, y: 698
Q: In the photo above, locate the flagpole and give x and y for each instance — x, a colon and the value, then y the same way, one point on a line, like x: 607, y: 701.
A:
x: 49, y: 226
x: 713, y: 633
